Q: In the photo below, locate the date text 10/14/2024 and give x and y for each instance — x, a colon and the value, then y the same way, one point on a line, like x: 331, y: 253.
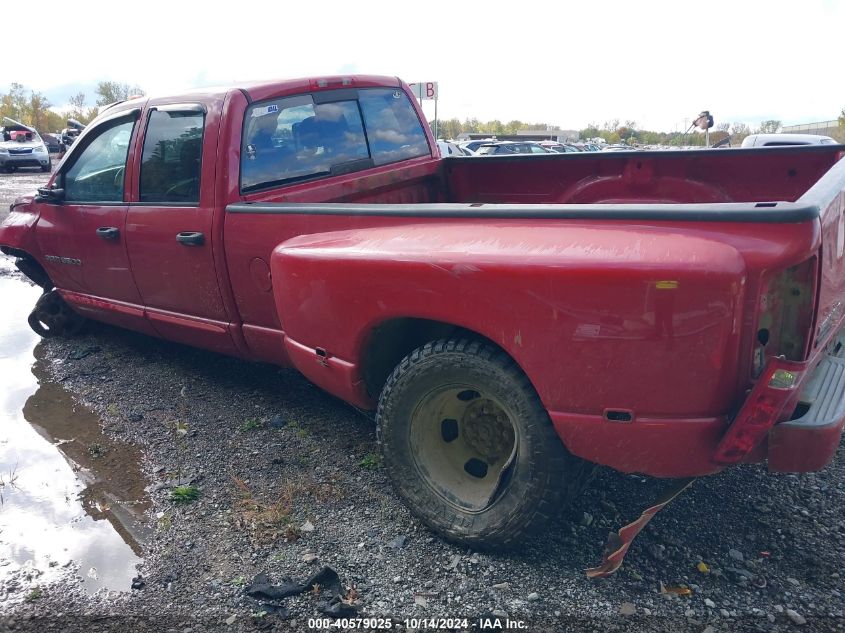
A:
x: 484, y: 623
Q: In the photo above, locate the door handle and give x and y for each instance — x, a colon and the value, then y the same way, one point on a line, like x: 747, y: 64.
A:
x: 190, y: 238
x: 108, y: 233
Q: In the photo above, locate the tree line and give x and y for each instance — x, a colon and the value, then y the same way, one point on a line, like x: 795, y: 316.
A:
x: 34, y: 109
x: 616, y: 131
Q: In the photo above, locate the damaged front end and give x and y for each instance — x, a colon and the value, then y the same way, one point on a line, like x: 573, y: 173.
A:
x: 17, y: 239
x: 51, y: 315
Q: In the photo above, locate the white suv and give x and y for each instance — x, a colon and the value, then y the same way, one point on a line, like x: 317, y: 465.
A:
x: 21, y: 146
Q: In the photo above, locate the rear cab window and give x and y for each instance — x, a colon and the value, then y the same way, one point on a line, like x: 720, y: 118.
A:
x: 393, y: 128
x: 299, y: 138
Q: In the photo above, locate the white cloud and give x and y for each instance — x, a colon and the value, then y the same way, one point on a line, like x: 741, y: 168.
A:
x: 564, y: 63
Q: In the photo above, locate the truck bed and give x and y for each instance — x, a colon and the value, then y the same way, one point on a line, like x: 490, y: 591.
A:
x: 610, y: 257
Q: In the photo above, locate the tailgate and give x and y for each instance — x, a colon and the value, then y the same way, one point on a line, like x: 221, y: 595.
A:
x: 808, y: 389
x: 828, y: 194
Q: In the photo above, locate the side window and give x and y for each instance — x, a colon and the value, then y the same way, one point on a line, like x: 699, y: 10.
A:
x: 171, y: 161
x: 393, y: 128
x: 98, y: 172
x: 294, y: 139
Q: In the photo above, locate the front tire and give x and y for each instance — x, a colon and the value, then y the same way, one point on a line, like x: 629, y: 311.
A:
x: 468, y: 444
x: 52, y: 317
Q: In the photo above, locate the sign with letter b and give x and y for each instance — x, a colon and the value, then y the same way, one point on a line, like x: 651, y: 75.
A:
x: 424, y: 90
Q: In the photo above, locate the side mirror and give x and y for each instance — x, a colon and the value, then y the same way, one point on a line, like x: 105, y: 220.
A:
x: 45, y: 194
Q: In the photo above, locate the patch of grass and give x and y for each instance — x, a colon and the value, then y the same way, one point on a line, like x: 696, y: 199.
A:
x: 302, y: 433
x: 12, y: 479
x: 112, y: 410
x: 96, y: 450
x: 36, y: 593
x: 251, y: 425
x: 185, y: 494
x: 370, y: 461
x: 266, y: 522
x: 271, y: 521
x: 181, y: 428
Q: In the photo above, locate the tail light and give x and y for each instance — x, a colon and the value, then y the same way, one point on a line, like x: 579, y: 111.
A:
x: 775, y: 388
x: 784, y: 329
x: 785, y: 314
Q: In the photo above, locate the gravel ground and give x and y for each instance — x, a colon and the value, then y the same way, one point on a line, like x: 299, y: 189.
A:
x: 289, y: 482
x: 23, y: 181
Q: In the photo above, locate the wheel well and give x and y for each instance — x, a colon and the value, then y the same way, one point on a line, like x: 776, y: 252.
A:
x: 29, y: 266
x: 392, y: 340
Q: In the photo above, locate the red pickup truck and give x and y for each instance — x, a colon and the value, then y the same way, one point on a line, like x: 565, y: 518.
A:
x: 666, y: 313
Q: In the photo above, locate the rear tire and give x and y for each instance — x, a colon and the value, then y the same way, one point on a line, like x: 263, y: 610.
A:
x: 469, y: 446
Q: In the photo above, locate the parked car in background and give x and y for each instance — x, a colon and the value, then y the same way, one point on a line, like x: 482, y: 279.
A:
x: 776, y: 140
x: 53, y: 142
x: 74, y: 128
x: 21, y: 146
x: 549, y: 145
x: 510, y: 147
x: 619, y: 148
x: 449, y: 149
x: 565, y: 149
x: 471, y: 147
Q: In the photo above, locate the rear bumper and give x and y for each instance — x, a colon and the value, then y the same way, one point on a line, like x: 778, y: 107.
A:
x: 807, y: 443
x: 657, y: 447
x: 808, y: 396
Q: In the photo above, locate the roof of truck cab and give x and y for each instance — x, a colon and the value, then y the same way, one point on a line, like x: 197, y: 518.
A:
x: 267, y: 89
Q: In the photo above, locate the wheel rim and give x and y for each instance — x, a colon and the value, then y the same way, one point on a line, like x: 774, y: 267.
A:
x: 464, y: 445
x: 52, y: 317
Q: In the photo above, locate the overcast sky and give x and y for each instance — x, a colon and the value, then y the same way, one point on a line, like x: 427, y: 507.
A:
x: 655, y: 63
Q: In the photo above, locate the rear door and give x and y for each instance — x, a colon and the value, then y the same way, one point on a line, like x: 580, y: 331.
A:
x: 169, y: 227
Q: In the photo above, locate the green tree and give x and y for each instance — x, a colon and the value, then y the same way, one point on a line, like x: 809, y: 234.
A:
x: 37, y: 110
x: 591, y: 131
x: 769, y: 127
x: 514, y: 126
x: 79, y: 110
x: 740, y: 130
x: 111, y: 91
x: 33, y: 109
x: 14, y: 103
x: 450, y: 128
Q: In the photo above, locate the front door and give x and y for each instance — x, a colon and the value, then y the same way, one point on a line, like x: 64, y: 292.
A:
x: 83, y: 237
x: 169, y: 229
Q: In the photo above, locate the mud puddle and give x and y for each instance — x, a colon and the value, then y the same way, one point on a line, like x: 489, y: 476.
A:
x: 71, y: 499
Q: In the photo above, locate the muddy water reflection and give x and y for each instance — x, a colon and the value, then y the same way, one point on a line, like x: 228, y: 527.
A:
x: 68, y: 492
